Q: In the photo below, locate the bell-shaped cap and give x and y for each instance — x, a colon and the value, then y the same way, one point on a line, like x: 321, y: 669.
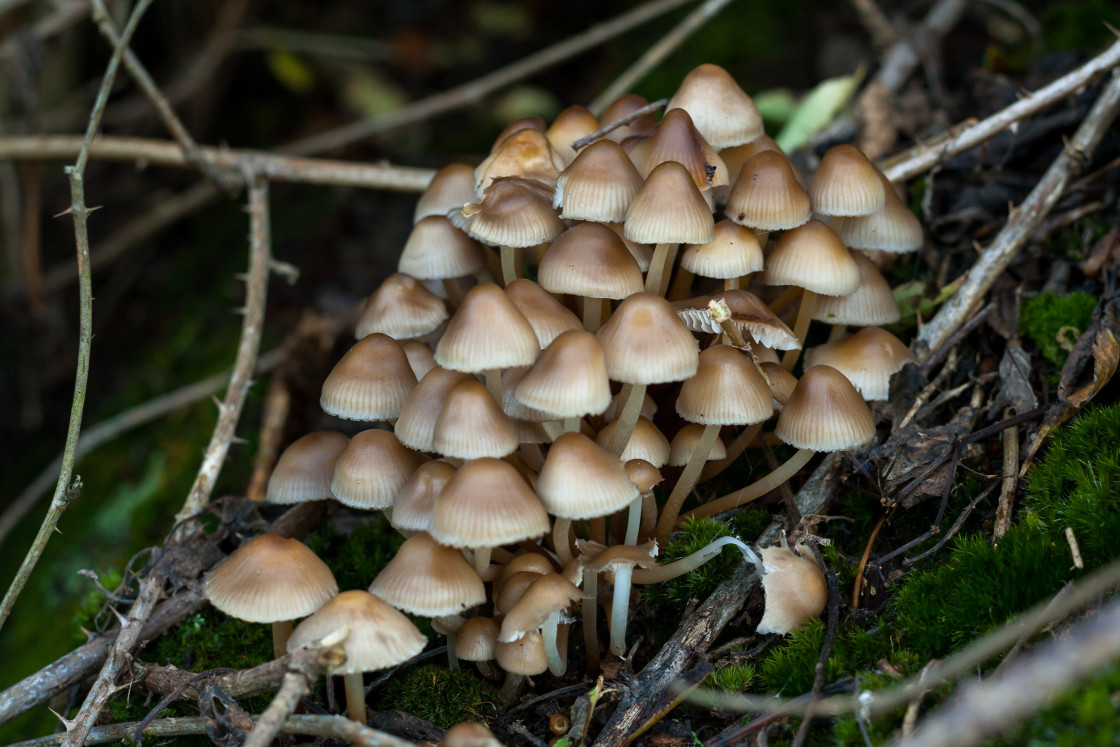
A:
x: 599, y: 184
x: 723, y: 113
x: 669, y: 209
x: 371, y: 382
x: 589, y: 260
x: 569, y: 126
x: 416, y: 426
x: 472, y: 425
x: 766, y: 195
x: 514, y: 212
x: 373, y: 469
x: 624, y: 106
x: 401, y: 308
x: 487, y: 331
x: 526, y: 656
x: 526, y: 154
x: 569, y: 378
x: 647, y: 442
x: 687, y: 440
x: 428, y: 579
x: 580, y: 480
x: 872, y: 303
x: 450, y: 189
x: 547, y: 594
x: 486, y: 504
x: 727, y: 389
x: 416, y: 501
x: 868, y: 358
x: 547, y: 316
x: 378, y: 636
x: 846, y: 184
x: 676, y: 139
x: 825, y: 413
x: 303, y: 472
x: 476, y: 640
x: 646, y: 343
x: 436, y: 249
x: 812, y: 257
x: 734, y: 253
x: 893, y: 229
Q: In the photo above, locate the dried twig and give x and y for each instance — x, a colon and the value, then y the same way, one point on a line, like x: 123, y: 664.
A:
x: 477, y: 89
x: 655, y: 54
x: 653, y: 106
x: 299, y: 676
x: 1024, y: 219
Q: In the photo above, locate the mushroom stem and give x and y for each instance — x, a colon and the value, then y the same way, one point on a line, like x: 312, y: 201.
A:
x: 556, y: 663
x: 784, y: 299
x: 754, y: 490
x: 633, y: 521
x: 695, y: 560
x: 355, y: 697
x: 571, y: 425
x: 561, y: 528
x: 590, y: 613
x: 657, y: 268
x: 633, y: 394
x: 732, y: 283
x: 685, y: 483
x: 737, y: 446
x: 801, y: 327
x: 452, y: 659
x: 592, y: 314
x: 494, y: 384
x: 510, y: 261
x: 620, y: 608
x: 454, y: 291
x: 511, y: 686
x: 281, y: 632
x: 482, y: 561
x: 837, y: 332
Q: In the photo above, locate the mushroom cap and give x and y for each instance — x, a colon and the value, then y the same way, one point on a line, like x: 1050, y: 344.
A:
x: 436, y: 249
x: 727, y: 389
x: 526, y: 154
x: 767, y: 196
x: 514, y: 212
x: 794, y: 588
x: 513, y: 589
x: 532, y: 562
x: 416, y: 501
x: 685, y: 442
x: 737, y: 155
x: 749, y: 315
x: 598, y: 185
x: 401, y: 308
x: 416, y: 425
x: 846, y: 184
x: 642, y: 253
x: 893, y: 229
x: 589, y: 260
x: 471, y: 425
x: 469, y: 734
x: 781, y: 380
x: 676, y: 139
x: 525, y: 656
x: 487, y: 504
x: 825, y: 413
x: 623, y: 106
x: 669, y: 209
x: 723, y: 113
x: 380, y: 637
x: 812, y: 257
x: 371, y: 382
x: 601, y: 558
x: 303, y: 472
x: 647, y: 442
x: 580, y: 480
x: 477, y: 639
x: 547, y: 594
x: 872, y: 303
x: 373, y: 469
x: 428, y: 579
x: 451, y: 188
x: 868, y: 358
x: 646, y: 343
x: 487, y: 331
x: 643, y: 474
x: 420, y: 357
x: 547, y: 316
x: 270, y: 579
x: 569, y: 126
x: 734, y: 252
x: 569, y: 378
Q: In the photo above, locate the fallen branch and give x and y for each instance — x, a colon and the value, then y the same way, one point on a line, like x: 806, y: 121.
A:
x: 1026, y: 218
x: 300, y: 674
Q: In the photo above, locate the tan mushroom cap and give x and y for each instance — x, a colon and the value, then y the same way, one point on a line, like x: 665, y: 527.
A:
x: 469, y: 734
x: 749, y: 314
x: 723, y: 113
x: 677, y: 139
x: 512, y: 406
x: 589, y: 260
x: 547, y: 316
x: 643, y: 474
x: 401, y: 308
x: 726, y: 390
x: 846, y: 184
x: 270, y: 579
x: 669, y: 209
x: 436, y: 249
x: 598, y: 185
x: 513, y: 589
x: 647, y: 442
x: 569, y: 126
x: 547, y: 594
x: 873, y: 303
x: 525, y: 656
x: 531, y: 562
x: 487, y: 504
x: 373, y: 469
x: 580, y: 480
x: 303, y: 472
x: 471, y: 425
x: 516, y: 125
x: 450, y: 189
x: 646, y: 343
x: 766, y: 195
x: 416, y: 426
x: 868, y: 358
x: 487, y: 331
x: 514, y: 212
x: 525, y: 154
x: 416, y: 501
x: 812, y: 257
x: 825, y: 413
x: 569, y: 378
x: 642, y: 253
x: 428, y: 579
x: 597, y: 558
x: 477, y: 639
x: 379, y: 636
x: 734, y: 252
x: 795, y: 590
x: 623, y: 106
x: 781, y: 380
x: 371, y: 382
x: 420, y: 357
x: 892, y: 229
x: 738, y: 155
x: 685, y: 442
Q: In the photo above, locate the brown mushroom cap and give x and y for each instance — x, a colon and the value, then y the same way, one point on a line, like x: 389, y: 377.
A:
x: 486, y: 504
x: 685, y: 442
x: 676, y: 139
x: 477, y: 639
x: 303, y: 472
x: 451, y: 188
x: 545, y: 314
x: 643, y: 474
x: 608, y: 558
x: 647, y: 442
x: 416, y: 501
x: 580, y: 480
x: 569, y: 378
x: 428, y: 579
x: 599, y: 184
x: 795, y: 590
x: 373, y: 469
x: 469, y: 734
x: 371, y: 382
x: 624, y: 106
x: 727, y: 389
x: 669, y: 209
x: 720, y: 109
x: 514, y: 212
x: 436, y: 249
x: 471, y: 425
x: 825, y: 413
x: 872, y: 303
x: 270, y: 579
x: 767, y: 196
x: 401, y: 308
x: 525, y: 656
x: 812, y: 257
x: 532, y: 562
x: 547, y: 594
x: 379, y: 636
x: 846, y: 184
x: 569, y: 126
x: 646, y: 343
x: 734, y: 252
x: 868, y: 358
x: 526, y: 154
x: 892, y: 229
x: 589, y: 260
x: 417, y: 423
x: 487, y: 331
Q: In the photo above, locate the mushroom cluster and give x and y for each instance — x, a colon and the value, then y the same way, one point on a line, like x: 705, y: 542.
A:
x: 676, y: 261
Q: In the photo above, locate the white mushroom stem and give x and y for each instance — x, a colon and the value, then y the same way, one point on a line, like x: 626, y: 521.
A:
x: 561, y: 528
x: 837, y: 332
x: 571, y: 425
x: 633, y: 395
x: 732, y: 283
x: 590, y: 613
x: 355, y: 697
x: 281, y: 632
x: 801, y: 327
x: 592, y: 314
x: 620, y: 607
x: 494, y: 384
x: 634, y: 520
x: 686, y: 483
x: 695, y: 560
x: 658, y: 266
x: 510, y: 260
x: 754, y: 490
x: 482, y: 561
x: 556, y: 663
x: 452, y: 659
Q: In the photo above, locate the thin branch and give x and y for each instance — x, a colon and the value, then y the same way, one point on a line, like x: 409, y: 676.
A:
x: 277, y: 168
x: 477, y: 89
x: 53, y: 23
x: 299, y: 677
x: 653, y: 56
x: 653, y: 106
x: 64, y: 492
x: 229, y: 412
x: 1025, y: 219
x: 923, y: 157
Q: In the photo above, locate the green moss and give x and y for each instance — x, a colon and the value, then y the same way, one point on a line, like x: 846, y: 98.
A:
x: 443, y: 696
x: 356, y: 558
x: 734, y: 678
x: 1079, y: 24
x: 210, y: 640
x: 1053, y: 322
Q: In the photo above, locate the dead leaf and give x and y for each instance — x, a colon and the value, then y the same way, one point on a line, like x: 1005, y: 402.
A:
x: 1015, y: 389
x: 914, y: 449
